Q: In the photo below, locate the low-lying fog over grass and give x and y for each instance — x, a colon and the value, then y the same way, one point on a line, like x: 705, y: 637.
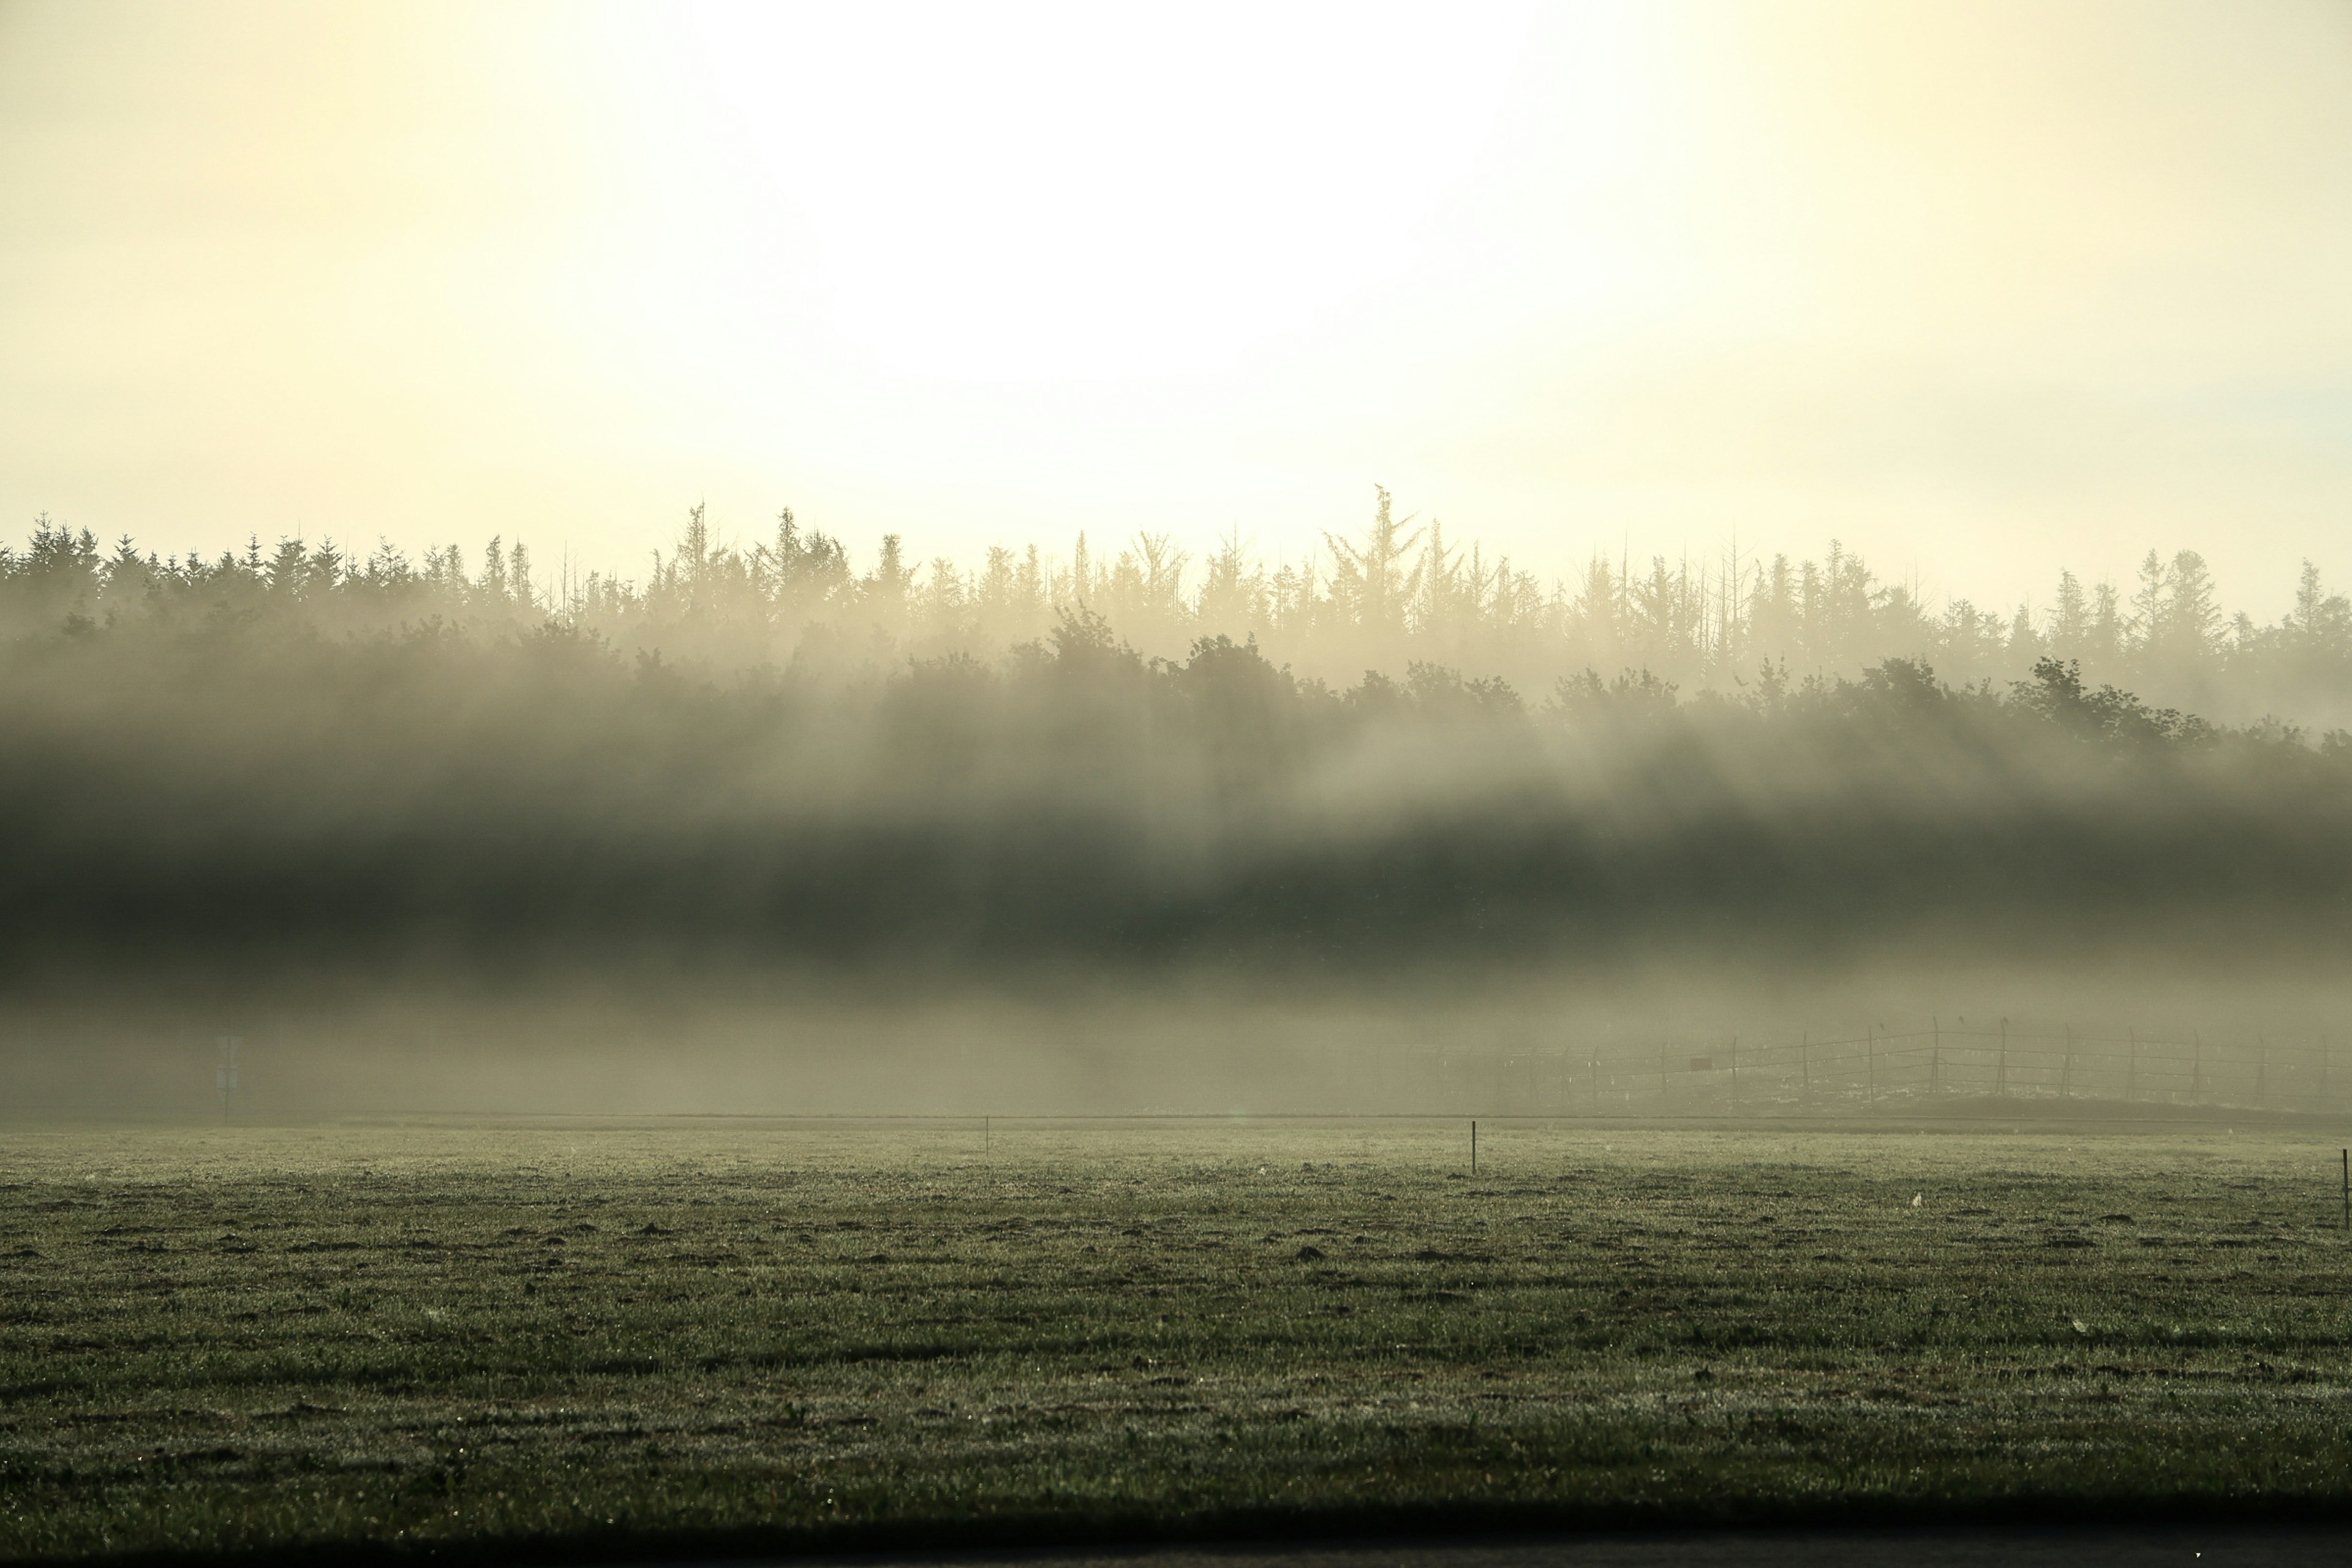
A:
x: 768, y: 832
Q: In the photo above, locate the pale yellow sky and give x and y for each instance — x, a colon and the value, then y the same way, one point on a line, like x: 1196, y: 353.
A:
x: 1984, y: 290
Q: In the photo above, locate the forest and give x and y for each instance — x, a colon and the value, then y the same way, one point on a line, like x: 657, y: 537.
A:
x: 1399, y: 594
x: 1402, y: 760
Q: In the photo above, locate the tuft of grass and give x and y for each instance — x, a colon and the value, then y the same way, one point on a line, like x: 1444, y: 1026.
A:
x: 499, y: 1338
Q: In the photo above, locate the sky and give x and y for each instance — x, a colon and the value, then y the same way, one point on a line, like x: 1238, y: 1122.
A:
x: 1983, y: 291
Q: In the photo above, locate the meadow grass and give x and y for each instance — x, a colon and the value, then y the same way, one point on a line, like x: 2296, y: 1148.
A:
x: 579, y: 1339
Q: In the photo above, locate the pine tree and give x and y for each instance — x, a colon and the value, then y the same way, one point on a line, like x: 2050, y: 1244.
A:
x: 2070, y: 619
x: 885, y: 591
x: 2320, y: 620
x: 288, y: 570
x: 1371, y: 585
x: 2104, y: 641
x: 493, y: 583
x: 2193, y: 611
x: 127, y: 577
x: 2025, y: 644
x: 1233, y: 598
x: 2146, y: 623
x: 518, y: 585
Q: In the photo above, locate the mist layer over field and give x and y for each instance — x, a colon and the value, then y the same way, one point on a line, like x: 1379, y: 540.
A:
x: 512, y: 853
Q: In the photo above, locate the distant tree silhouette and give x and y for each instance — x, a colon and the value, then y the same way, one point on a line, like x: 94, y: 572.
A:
x: 1400, y: 594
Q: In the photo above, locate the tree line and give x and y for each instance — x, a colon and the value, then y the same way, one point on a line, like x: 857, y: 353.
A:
x: 1396, y: 594
x: 207, y: 791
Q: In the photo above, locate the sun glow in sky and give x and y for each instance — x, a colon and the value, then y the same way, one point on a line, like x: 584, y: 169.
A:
x: 1983, y: 290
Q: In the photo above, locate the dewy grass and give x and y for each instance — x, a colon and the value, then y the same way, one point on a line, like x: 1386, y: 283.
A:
x: 616, y: 1338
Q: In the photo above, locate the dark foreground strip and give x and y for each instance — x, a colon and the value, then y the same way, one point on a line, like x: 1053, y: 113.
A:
x: 2188, y: 1540
x: 2195, y: 1546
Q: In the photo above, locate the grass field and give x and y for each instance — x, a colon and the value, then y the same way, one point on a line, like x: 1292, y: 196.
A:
x: 715, y: 1335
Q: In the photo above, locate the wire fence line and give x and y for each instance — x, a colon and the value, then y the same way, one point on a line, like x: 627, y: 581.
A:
x: 1912, y: 1070
x: 1903, y: 1068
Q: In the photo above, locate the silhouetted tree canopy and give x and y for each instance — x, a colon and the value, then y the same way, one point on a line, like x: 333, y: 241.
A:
x: 289, y: 765
x: 1400, y: 595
